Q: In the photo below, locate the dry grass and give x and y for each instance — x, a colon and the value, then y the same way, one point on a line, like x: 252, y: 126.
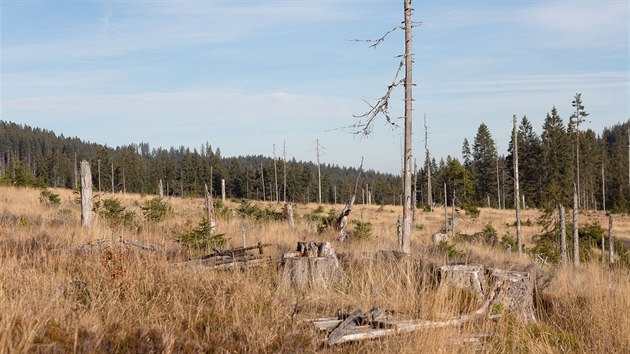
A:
x: 52, y: 300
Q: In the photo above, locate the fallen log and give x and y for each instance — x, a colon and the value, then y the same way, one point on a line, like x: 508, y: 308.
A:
x: 361, y: 326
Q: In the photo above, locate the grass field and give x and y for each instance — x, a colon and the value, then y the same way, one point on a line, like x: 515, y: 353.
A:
x: 54, y: 300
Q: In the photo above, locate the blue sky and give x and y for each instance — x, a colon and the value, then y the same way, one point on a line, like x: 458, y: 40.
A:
x: 245, y: 75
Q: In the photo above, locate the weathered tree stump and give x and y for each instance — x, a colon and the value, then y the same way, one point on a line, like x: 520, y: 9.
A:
x: 313, y: 265
x: 439, y: 237
x: 470, y: 277
x: 511, y: 291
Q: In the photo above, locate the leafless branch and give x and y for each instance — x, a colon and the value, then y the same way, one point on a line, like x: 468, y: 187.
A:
x: 377, y: 41
x: 381, y: 107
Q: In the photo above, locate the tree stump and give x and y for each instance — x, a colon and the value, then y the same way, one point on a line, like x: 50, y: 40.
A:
x: 470, y: 277
x: 511, y: 291
x: 313, y: 265
x: 439, y: 237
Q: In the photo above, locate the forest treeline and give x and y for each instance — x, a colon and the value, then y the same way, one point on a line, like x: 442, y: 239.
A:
x: 547, y: 169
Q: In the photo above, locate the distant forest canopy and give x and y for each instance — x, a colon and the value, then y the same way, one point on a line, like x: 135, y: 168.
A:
x: 482, y: 177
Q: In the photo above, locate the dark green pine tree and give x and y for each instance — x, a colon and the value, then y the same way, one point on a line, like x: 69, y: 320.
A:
x: 556, y: 161
x: 484, y: 165
x: 466, y: 154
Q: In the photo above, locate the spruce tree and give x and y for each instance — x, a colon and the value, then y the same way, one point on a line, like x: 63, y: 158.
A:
x: 484, y: 164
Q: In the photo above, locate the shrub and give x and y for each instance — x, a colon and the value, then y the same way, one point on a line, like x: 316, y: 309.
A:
x: 471, y: 210
x: 201, y: 239
x: 252, y: 210
x: 155, y: 209
x: 362, y: 230
x: 116, y: 214
x: 448, y: 249
x: 49, y: 198
x: 327, y: 221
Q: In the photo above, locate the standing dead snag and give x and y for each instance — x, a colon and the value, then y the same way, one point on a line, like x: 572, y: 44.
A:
x: 563, y: 236
x: 519, y: 242
x: 576, y: 236
x: 364, y: 126
x: 210, y: 210
x: 611, y: 258
x: 86, y: 194
x: 342, y: 219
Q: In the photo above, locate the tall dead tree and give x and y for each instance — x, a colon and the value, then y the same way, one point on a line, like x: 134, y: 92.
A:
x: 576, y: 235
x: 342, y: 219
x: 86, y: 194
x: 428, y: 165
x: 498, y: 184
x: 519, y: 241
x: 284, y: 176
x: 319, y: 177
x: 415, y: 191
x: 99, y: 175
x: 382, y: 108
x: 611, y: 241
x: 262, y: 177
x: 113, y: 191
x: 275, y: 172
x: 628, y: 132
x: 209, y: 209
x: 563, y: 236
x: 222, y: 190
x: 603, y: 189
x: 161, y: 190
x: 575, y: 121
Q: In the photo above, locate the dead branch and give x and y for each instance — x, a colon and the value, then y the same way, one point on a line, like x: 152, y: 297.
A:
x: 381, y: 107
x: 377, y: 41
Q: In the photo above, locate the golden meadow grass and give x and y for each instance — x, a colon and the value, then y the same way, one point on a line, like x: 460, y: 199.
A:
x: 53, y: 300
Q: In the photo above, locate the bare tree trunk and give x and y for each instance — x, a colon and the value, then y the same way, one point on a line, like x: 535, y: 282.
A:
x: 275, y: 172
x: 284, y: 153
x: 453, y: 213
x: 498, y: 185
x: 415, y: 192
x: 86, y: 194
x: 576, y: 236
x: 519, y: 241
x: 628, y: 156
x: 222, y: 190
x: 124, y: 182
x: 319, y: 177
x: 288, y: 209
x: 335, y: 192
x: 563, y: 236
x: 113, y: 190
x: 603, y: 189
x: 445, y: 211
x: 428, y: 166
x: 210, y: 210
x: 611, y: 241
x: 161, y: 190
x: 604, y: 244
x: 262, y: 176
x: 406, y: 235
x: 99, y: 175
x: 76, y: 172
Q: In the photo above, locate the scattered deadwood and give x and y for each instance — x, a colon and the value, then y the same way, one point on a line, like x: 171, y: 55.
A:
x: 312, y: 265
x: 361, y: 325
x: 119, y: 244
x: 234, y: 258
